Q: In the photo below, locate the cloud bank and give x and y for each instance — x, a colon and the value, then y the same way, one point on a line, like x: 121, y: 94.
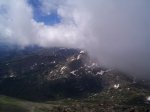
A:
x: 116, y: 32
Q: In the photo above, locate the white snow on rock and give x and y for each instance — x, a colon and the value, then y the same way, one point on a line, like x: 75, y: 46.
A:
x: 148, y: 98
x: 82, y: 52
x: 51, y: 72
x: 53, y: 62
x: 89, y: 71
x: 72, y: 59
x: 12, y: 75
x: 73, y: 72
x: 62, y: 69
x: 33, y: 66
x: 100, y: 73
x: 94, y: 64
x: 79, y: 56
x: 128, y: 88
x: 116, y: 86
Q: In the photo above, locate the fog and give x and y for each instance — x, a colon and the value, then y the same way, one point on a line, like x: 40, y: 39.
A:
x: 117, y: 32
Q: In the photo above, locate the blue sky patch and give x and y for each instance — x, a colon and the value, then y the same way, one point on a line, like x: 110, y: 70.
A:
x: 51, y: 19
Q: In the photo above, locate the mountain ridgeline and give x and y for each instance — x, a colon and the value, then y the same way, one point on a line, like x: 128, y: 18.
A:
x: 52, y: 74
x: 48, y: 74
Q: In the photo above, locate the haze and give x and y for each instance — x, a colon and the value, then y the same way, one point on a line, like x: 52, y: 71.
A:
x: 117, y: 32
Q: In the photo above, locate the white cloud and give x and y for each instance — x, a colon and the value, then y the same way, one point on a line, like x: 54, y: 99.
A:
x: 117, y: 32
x: 16, y: 25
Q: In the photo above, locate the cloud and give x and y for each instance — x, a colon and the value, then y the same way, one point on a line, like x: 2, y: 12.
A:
x: 18, y: 26
x: 116, y: 32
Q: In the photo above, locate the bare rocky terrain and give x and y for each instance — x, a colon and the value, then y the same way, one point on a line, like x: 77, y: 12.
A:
x: 66, y: 80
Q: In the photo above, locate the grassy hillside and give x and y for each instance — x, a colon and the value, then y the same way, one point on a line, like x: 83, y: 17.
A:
x: 110, y: 100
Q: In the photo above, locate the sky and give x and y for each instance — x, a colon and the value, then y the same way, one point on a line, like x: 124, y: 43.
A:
x: 51, y: 18
x: 117, y: 32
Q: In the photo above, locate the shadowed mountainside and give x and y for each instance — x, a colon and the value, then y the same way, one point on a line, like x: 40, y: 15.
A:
x: 70, y: 78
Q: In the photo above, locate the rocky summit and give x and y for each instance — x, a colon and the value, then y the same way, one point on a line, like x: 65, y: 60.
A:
x: 66, y: 80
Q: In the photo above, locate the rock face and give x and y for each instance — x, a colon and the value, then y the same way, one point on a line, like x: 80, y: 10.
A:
x: 58, y: 73
x: 49, y: 74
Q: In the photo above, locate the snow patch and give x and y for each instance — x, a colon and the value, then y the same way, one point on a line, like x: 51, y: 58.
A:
x: 82, y: 52
x: 100, y: 73
x: 94, y: 64
x: 89, y: 71
x: 79, y: 56
x: 72, y: 59
x: 33, y: 66
x: 73, y: 72
x: 51, y: 72
x: 12, y: 75
x: 148, y: 98
x: 62, y: 69
x: 116, y: 86
x: 53, y: 62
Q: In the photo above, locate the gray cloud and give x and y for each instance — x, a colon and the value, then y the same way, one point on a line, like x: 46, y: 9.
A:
x: 115, y: 32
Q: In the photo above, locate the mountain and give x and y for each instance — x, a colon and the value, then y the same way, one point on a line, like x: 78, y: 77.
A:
x: 66, y: 80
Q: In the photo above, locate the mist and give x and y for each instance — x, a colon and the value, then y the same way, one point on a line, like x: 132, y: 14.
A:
x: 116, y: 32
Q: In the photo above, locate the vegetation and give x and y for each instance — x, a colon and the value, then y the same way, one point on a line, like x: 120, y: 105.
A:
x: 65, y: 80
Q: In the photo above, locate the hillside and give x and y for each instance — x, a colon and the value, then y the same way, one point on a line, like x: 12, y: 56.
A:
x: 66, y: 80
